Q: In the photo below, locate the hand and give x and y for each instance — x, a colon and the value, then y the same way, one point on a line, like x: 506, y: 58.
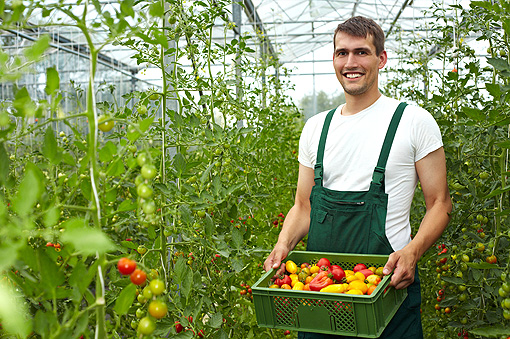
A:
x: 403, y: 266
x: 274, y: 260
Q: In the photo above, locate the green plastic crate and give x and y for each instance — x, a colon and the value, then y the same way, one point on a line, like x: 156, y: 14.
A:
x: 330, y: 313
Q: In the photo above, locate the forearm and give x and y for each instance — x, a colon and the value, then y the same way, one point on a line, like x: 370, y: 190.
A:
x: 435, y: 221
x: 295, y: 227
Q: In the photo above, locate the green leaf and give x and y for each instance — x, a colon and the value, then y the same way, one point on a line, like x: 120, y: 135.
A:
x: 493, y: 89
x: 473, y: 113
x: 51, y: 275
x: 179, y: 164
x: 237, y: 237
x: 499, y: 64
x: 23, y: 103
x: 482, y: 265
x: 187, y: 283
x: 50, y: 148
x: 86, y: 240
x: 125, y: 299
x: 216, y: 320
x: 129, y: 244
x: 145, y: 124
x: 493, y: 331
x: 13, y: 311
x: 52, y: 80
x: 4, y: 164
x: 126, y: 205
x: 107, y: 152
x: 180, y: 269
x: 35, y: 51
x: 209, y: 225
x: 51, y: 216
x: 29, y: 191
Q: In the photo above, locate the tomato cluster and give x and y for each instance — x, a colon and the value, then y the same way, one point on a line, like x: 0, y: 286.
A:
x: 148, y: 172
x: 326, y: 277
x: 149, y: 295
x: 246, y: 291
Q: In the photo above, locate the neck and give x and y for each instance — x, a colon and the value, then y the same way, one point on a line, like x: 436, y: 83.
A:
x: 356, y: 103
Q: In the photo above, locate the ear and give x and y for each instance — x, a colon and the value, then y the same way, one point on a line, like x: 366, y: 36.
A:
x: 383, y: 58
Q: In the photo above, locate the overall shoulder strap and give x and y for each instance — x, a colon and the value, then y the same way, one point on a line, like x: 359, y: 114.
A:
x: 319, y: 168
x: 378, y: 176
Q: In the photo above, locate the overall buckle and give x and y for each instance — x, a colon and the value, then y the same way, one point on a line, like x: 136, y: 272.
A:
x: 378, y: 176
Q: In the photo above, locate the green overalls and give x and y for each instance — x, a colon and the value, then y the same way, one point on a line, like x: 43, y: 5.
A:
x: 355, y: 222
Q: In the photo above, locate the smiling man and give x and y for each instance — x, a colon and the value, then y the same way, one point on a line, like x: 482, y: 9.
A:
x: 359, y: 165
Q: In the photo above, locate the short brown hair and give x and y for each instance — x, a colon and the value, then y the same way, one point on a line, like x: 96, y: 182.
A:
x: 362, y: 27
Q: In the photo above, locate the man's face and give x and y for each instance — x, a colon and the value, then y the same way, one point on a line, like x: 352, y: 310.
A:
x: 356, y: 64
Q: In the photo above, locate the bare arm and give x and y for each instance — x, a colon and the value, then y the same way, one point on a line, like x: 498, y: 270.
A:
x: 432, y: 175
x: 297, y: 221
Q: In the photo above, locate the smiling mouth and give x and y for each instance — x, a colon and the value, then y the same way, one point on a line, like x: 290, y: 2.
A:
x: 353, y: 75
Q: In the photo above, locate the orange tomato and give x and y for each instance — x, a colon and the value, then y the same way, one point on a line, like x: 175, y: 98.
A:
x: 371, y: 289
x: 286, y: 286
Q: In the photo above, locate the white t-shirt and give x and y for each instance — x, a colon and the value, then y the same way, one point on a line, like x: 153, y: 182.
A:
x: 352, y: 149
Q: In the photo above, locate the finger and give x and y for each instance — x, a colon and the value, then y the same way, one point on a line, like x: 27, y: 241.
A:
x: 390, y: 265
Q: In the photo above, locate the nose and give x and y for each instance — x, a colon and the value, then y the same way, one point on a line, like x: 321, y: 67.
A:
x: 351, y: 60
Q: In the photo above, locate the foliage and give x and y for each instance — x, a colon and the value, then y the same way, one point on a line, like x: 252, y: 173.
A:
x: 462, y: 277
x: 324, y: 102
x: 187, y: 183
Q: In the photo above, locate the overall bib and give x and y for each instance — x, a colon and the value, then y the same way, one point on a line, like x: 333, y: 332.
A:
x: 355, y: 222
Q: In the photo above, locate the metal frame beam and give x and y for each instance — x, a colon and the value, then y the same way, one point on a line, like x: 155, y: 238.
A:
x: 258, y: 25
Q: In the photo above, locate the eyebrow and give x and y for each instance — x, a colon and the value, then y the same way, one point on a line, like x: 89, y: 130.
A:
x: 359, y: 49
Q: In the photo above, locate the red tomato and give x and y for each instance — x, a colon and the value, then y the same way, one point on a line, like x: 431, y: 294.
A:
x: 324, y: 262
x: 178, y: 327
x: 282, y: 280
x: 359, y: 267
x: 138, y: 277
x: 337, y: 272
x: 126, y: 266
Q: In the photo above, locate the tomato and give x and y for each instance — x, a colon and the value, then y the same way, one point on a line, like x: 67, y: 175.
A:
x: 142, y: 109
x: 148, y: 171
x: 323, y: 262
x: 291, y: 266
x: 320, y: 281
x: 172, y: 19
x: 142, y: 159
x: 138, y: 277
x: 141, y: 249
x: 126, y: 266
x: 282, y: 280
x: 146, y: 326
x: 359, y: 267
x: 157, y: 286
x: 491, y: 259
x: 105, y: 126
x: 158, y: 309
x: 132, y: 148
x: 140, y: 313
x: 149, y: 207
x: 337, y: 272
x: 147, y: 293
x: 178, y: 327
x: 144, y: 191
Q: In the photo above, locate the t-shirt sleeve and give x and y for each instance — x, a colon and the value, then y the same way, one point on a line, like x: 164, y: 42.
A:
x: 427, y: 135
x: 304, y: 156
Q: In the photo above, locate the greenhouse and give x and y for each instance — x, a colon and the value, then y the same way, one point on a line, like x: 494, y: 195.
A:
x: 165, y: 170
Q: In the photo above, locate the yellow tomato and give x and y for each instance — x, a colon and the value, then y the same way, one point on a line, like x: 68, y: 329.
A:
x: 334, y: 288
x: 274, y: 286
x: 358, y: 292
x: 360, y: 276
x: 351, y: 278
x: 358, y: 285
x: 314, y: 269
x: 298, y: 286
x: 379, y: 271
x: 372, y: 268
x: 373, y: 279
x: 348, y: 273
x: 291, y: 266
x: 286, y: 286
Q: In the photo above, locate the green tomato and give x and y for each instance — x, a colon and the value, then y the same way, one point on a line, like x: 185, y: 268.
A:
x: 502, y: 293
x: 142, y: 109
x: 141, y: 249
x: 201, y: 214
x: 142, y: 159
x: 144, y: 191
x: 146, y: 326
x: 132, y: 148
x: 157, y: 286
x: 148, y: 171
x: 149, y: 207
x: 105, y: 126
x: 139, y: 180
x: 140, y: 313
x: 506, y: 314
x: 147, y: 293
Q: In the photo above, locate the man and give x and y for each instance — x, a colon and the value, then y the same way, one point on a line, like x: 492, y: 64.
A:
x: 359, y: 166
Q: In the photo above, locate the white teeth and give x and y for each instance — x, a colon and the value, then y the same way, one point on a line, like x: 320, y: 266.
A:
x: 352, y: 76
